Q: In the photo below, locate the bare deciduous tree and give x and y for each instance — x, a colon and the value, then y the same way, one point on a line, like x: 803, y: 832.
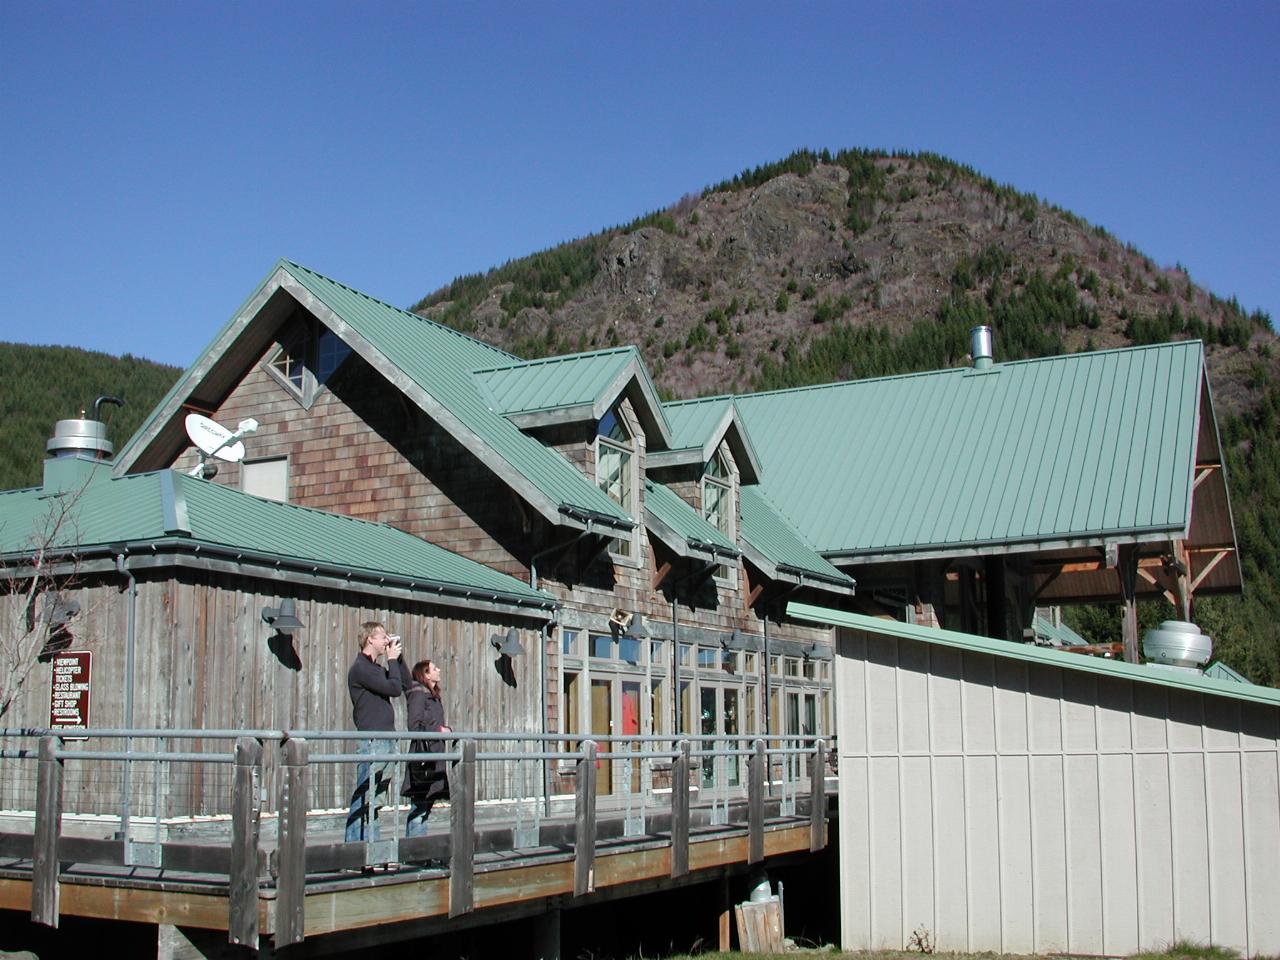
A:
x: 36, y: 615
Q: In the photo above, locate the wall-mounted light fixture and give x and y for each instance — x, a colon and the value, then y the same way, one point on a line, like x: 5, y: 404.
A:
x: 507, y: 645
x: 284, y: 617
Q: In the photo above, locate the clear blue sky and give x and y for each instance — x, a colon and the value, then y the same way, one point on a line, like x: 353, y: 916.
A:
x: 157, y: 159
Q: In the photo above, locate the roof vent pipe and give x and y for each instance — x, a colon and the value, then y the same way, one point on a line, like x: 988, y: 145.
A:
x: 980, y: 347
x: 83, y: 436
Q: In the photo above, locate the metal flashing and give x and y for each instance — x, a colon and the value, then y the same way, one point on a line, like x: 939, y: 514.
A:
x: 1031, y: 653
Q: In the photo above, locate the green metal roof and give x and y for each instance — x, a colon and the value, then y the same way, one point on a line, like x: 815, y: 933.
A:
x: 673, y: 518
x: 1056, y: 634
x: 1060, y: 449
x: 552, y: 382
x: 698, y: 426
x: 167, y: 506
x: 432, y: 364
x: 440, y: 360
x: 1029, y: 652
x: 693, y: 422
x: 778, y: 544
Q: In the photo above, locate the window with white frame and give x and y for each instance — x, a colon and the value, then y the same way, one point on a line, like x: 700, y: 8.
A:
x: 717, y: 503
x: 616, y: 472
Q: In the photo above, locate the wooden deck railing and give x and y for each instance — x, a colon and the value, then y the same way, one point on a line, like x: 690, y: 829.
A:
x: 246, y: 864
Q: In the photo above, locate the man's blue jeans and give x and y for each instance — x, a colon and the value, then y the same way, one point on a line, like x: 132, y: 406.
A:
x: 362, y: 818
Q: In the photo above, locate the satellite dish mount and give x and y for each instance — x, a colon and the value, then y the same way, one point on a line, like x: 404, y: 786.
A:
x: 212, y: 439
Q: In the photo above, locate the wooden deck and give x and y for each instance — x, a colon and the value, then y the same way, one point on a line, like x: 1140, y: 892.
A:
x: 304, y: 882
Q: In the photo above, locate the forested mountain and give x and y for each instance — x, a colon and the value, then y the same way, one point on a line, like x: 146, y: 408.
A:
x: 817, y: 268
x: 42, y: 385
x: 856, y: 264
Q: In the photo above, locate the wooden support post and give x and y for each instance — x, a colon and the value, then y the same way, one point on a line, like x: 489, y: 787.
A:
x: 584, y: 837
x: 1182, y: 578
x: 462, y: 832
x: 818, y: 797
x: 291, y: 859
x: 1127, y: 569
x: 755, y: 802
x: 246, y: 813
x: 44, y: 865
x: 726, y: 912
x: 680, y: 811
x: 546, y: 935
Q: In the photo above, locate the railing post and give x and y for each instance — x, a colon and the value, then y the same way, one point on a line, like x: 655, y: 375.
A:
x: 584, y: 839
x: 246, y: 814
x: 755, y: 802
x: 291, y: 858
x: 462, y: 832
x: 818, y: 798
x: 680, y: 811
x: 44, y: 866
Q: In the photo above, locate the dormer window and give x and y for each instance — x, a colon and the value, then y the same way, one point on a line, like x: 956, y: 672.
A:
x: 616, y: 471
x: 717, y: 501
x: 309, y: 354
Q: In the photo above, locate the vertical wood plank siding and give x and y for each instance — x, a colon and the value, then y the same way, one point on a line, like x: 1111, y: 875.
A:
x: 1024, y: 808
x: 205, y: 660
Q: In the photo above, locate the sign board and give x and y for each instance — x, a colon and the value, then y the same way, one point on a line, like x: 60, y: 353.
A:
x: 69, y: 693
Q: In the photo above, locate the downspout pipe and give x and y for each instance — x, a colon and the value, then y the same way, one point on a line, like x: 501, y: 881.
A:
x: 130, y: 634
x: 533, y: 561
x: 675, y: 639
x: 544, y: 636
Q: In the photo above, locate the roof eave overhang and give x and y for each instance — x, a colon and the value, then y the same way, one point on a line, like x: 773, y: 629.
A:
x: 197, y: 554
x: 686, y: 547
x: 992, y: 548
x: 795, y: 576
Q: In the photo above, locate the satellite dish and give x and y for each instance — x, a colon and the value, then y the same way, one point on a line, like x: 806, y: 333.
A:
x: 215, y: 440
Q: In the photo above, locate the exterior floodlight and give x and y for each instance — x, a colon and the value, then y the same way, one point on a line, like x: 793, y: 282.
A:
x: 59, y: 611
x: 284, y: 618
x: 509, y: 645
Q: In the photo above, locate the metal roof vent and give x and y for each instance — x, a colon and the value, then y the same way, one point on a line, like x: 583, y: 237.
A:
x: 1176, y: 643
x: 83, y: 436
x: 980, y: 347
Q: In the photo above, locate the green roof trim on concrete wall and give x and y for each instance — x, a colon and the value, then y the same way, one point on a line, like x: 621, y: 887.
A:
x: 1064, y: 449
x: 782, y: 550
x: 170, y: 508
x: 1031, y: 653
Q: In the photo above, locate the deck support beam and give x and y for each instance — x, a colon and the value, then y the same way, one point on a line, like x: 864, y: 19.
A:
x: 546, y: 936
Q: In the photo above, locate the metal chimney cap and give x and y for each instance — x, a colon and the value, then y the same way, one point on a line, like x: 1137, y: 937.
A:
x: 71, y: 437
x: 980, y: 347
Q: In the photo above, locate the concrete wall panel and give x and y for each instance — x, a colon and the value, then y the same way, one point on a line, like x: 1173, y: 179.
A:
x: 1038, y: 809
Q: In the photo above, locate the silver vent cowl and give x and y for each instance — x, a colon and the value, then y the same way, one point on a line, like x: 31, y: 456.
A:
x: 1176, y: 643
